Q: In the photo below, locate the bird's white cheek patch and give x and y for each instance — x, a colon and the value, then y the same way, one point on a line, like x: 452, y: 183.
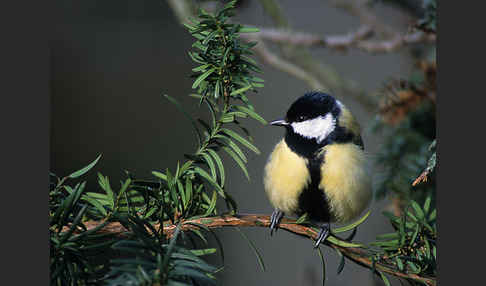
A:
x: 318, y: 128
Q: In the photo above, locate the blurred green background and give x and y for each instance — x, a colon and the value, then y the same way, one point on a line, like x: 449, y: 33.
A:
x: 112, y: 60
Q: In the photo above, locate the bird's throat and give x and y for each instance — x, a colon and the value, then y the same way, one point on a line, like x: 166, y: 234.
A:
x: 305, y: 147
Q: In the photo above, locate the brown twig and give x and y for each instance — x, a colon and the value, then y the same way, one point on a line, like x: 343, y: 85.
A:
x: 358, y: 255
x: 421, y: 178
x: 339, y: 42
x: 344, y: 42
x: 395, y: 43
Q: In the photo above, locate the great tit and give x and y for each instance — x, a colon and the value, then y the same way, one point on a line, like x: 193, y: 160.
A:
x: 319, y: 167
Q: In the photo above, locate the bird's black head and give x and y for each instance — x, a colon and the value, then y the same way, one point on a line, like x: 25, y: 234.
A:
x: 310, y: 106
x: 312, y: 122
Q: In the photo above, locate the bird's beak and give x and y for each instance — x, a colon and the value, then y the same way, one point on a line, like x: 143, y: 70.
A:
x: 280, y: 122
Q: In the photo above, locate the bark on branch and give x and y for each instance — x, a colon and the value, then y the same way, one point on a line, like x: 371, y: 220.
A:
x: 339, y: 42
x: 358, y: 255
x: 356, y: 40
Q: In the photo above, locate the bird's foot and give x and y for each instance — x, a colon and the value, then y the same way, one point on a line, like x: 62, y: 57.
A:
x: 275, y: 220
x: 323, y: 234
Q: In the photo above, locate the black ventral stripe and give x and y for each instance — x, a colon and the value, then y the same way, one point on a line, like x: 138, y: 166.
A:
x: 313, y: 200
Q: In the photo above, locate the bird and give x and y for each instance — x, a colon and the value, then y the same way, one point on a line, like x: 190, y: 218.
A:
x: 319, y: 167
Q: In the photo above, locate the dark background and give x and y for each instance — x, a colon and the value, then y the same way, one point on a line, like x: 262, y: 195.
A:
x: 112, y: 60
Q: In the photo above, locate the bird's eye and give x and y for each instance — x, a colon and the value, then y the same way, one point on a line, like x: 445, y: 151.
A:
x: 301, y: 118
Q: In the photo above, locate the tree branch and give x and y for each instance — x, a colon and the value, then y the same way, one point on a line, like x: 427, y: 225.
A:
x: 344, y: 42
x: 339, y: 42
x: 358, y: 255
x: 395, y: 43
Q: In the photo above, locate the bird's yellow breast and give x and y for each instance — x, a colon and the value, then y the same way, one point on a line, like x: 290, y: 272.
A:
x: 345, y: 180
x: 286, y: 176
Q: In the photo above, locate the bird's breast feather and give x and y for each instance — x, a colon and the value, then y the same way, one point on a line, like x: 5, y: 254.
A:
x: 345, y: 180
x: 286, y: 176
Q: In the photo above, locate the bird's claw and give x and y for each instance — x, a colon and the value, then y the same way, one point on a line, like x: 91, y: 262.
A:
x: 275, y: 220
x: 323, y: 234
